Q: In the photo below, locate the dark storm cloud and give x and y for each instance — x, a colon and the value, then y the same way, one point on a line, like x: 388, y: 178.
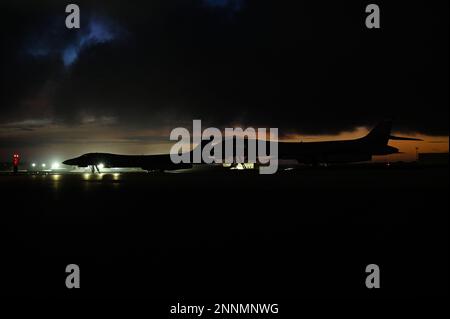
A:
x: 303, y: 66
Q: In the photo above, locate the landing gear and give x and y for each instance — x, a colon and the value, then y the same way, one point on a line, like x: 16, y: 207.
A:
x: 93, y: 168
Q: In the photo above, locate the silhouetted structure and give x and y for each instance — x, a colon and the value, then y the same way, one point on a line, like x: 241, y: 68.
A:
x: 433, y: 158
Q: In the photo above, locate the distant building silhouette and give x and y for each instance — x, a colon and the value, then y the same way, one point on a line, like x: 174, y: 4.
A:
x: 433, y: 158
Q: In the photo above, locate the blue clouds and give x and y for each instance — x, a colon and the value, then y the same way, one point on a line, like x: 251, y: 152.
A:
x: 39, y: 51
x: 98, y: 32
x: 67, y: 45
x: 234, y: 5
x: 70, y: 55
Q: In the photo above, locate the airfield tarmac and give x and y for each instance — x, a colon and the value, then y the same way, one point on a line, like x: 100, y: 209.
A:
x: 231, y: 234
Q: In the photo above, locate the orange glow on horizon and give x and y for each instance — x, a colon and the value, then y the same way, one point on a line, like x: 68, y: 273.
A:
x: 408, y: 149
x: 67, y: 142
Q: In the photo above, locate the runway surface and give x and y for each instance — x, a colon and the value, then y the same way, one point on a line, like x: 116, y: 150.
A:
x: 227, y: 234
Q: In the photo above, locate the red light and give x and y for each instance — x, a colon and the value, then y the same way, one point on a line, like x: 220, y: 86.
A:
x: 16, y: 159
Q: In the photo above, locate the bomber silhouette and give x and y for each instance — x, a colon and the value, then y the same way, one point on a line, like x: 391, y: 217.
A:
x: 342, y: 151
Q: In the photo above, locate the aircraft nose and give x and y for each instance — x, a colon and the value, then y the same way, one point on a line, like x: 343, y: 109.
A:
x: 67, y: 162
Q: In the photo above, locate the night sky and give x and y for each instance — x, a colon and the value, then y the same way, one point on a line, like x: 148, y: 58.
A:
x: 137, y: 69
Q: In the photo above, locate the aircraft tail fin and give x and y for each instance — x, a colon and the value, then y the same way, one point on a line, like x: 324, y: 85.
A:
x: 380, y: 134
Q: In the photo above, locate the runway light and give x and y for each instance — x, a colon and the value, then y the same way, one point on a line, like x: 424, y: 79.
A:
x: 43, y: 165
x: 100, y: 166
x: 33, y: 165
x: 239, y: 166
x: 249, y: 165
x: 55, y: 165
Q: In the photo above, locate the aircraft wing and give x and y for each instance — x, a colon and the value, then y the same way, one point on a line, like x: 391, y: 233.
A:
x: 399, y: 138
